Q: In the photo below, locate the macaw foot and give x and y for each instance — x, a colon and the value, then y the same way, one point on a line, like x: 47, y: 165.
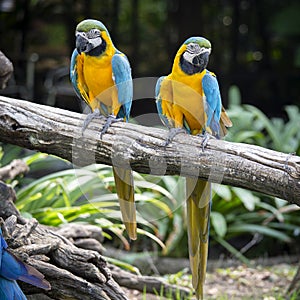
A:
x: 205, y: 137
x: 171, y: 134
x: 93, y: 115
x: 110, y: 120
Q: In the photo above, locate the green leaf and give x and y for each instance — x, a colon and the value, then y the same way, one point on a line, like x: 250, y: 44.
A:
x: 234, y: 96
x: 253, y: 228
x: 219, y: 223
x: 249, y: 200
x: 123, y: 265
x: 273, y: 210
x: 279, y: 202
x: 222, y: 191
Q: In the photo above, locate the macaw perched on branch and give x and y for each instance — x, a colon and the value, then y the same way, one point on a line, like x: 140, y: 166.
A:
x: 189, y: 100
x: 101, y: 77
x: 12, y: 269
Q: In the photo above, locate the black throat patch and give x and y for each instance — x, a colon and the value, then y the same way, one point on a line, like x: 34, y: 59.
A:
x: 189, y: 68
x: 97, y: 51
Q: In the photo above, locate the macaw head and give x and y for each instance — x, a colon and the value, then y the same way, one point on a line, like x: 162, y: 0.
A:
x: 92, y: 37
x: 195, y: 56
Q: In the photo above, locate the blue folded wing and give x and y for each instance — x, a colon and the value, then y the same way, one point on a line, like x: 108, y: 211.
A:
x: 74, y: 74
x: 213, y: 102
x: 123, y: 80
x: 10, y: 290
x: 12, y: 268
x: 165, y: 120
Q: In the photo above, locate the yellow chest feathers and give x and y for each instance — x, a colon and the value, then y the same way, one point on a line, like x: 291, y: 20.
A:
x: 95, y: 80
x: 97, y: 74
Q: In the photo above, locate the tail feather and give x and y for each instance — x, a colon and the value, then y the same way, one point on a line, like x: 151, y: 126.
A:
x: 125, y: 191
x: 225, y: 122
x: 198, y: 212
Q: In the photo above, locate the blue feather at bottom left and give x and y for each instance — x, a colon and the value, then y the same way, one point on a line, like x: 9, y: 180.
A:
x: 12, y: 269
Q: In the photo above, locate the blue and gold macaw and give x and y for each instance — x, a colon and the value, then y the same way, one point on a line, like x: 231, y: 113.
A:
x: 12, y: 269
x: 189, y: 99
x: 101, y: 77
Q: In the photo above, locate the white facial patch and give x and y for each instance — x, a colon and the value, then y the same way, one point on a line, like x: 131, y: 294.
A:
x: 188, y: 56
x: 93, y: 36
x: 192, y: 50
x: 95, y: 41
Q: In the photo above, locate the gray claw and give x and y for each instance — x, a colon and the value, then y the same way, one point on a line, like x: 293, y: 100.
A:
x: 93, y: 115
x: 110, y: 120
x: 172, y: 133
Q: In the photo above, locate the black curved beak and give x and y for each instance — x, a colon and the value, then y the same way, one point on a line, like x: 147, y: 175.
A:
x: 201, y: 60
x: 81, y: 43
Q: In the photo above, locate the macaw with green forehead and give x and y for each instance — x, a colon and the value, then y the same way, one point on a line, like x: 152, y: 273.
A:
x: 189, y: 99
x: 101, y: 77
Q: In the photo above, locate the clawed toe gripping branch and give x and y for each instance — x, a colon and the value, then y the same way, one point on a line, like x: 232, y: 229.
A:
x: 97, y: 115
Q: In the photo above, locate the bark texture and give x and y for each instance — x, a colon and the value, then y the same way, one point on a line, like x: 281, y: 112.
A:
x: 56, y: 131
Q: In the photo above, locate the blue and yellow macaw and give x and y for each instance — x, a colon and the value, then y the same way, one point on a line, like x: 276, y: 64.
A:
x: 189, y: 99
x: 101, y: 77
x: 12, y: 269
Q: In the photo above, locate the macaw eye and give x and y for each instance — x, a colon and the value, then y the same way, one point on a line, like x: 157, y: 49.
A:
x: 193, y: 48
x: 94, y: 33
x: 81, y: 33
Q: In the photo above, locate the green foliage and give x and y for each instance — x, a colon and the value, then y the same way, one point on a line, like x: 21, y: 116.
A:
x: 250, y: 125
x: 83, y: 195
x: 238, y: 212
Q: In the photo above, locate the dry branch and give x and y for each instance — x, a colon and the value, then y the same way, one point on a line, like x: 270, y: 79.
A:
x: 74, y: 273
x: 12, y: 170
x: 56, y: 131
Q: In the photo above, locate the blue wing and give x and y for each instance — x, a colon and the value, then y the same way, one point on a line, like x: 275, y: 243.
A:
x: 12, y: 268
x: 122, y: 77
x: 74, y: 79
x: 74, y: 74
x: 163, y: 118
x: 169, y: 123
x: 9, y: 289
x: 213, y: 102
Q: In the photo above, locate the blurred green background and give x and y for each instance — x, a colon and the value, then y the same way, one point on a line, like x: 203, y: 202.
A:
x: 256, y: 44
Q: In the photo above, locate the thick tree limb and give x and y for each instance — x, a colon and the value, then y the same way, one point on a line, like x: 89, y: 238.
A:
x: 58, y: 132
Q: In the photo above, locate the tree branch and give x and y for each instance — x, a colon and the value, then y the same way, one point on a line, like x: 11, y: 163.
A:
x: 56, y: 131
x: 12, y: 170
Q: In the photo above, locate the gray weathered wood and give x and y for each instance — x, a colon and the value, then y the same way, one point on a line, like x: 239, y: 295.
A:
x: 73, y: 272
x: 12, y: 170
x: 56, y: 131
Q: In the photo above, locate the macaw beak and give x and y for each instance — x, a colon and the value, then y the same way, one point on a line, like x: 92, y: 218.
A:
x: 81, y: 43
x: 201, y: 60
